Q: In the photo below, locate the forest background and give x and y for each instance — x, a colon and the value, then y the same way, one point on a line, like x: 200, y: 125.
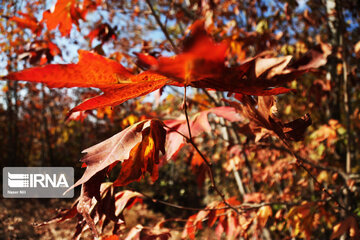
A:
x: 232, y: 167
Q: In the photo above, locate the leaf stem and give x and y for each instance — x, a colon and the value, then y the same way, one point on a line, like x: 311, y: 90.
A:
x: 186, y: 113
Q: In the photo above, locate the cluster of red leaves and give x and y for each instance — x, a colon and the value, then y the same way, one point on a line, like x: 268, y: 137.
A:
x: 64, y: 14
x: 226, y: 220
x: 306, y: 217
x: 262, y: 115
x: 220, y: 214
x: 202, y: 64
x: 137, y: 146
x: 194, y: 67
x: 107, y: 206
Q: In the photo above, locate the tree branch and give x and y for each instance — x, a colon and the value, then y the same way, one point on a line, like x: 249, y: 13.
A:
x: 242, y: 207
x: 163, y: 29
x: 300, y: 163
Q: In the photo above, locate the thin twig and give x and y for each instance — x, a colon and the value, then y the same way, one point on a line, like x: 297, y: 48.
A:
x: 242, y: 207
x: 234, y: 128
x: 186, y: 113
x: 163, y: 29
x: 170, y: 204
x: 207, y: 162
x: 211, y: 98
x: 320, y: 185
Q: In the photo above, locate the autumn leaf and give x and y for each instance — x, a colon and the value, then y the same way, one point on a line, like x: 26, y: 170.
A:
x: 125, y: 200
x: 144, y: 157
x: 270, y: 66
x: 117, y: 94
x: 198, y: 124
x: 202, y: 65
x: 199, y: 169
x: 104, y: 32
x: 67, y: 12
x: 137, y: 147
x: 64, y: 14
x: 108, y: 207
x: 263, y: 215
x: 201, y: 58
x: 220, y: 215
x: 27, y: 21
x: 347, y: 225
x: 93, y: 70
x: 314, y: 58
x: 262, y: 115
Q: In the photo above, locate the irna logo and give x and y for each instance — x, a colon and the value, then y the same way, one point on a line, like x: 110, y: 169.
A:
x: 18, y: 180
x: 38, y: 182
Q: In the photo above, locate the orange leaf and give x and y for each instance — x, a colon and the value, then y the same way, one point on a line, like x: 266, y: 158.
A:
x: 263, y: 214
x: 27, y: 22
x: 111, y: 237
x: 137, y: 147
x: 144, y: 157
x: 122, y: 92
x: 348, y: 225
x: 62, y: 15
x: 92, y: 70
x: 66, y: 13
x: 199, y: 169
x: 202, y: 58
x: 202, y: 65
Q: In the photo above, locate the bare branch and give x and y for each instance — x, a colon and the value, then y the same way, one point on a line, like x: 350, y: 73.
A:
x: 163, y: 28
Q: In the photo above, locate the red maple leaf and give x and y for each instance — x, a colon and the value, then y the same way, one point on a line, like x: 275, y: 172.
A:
x: 67, y: 12
x: 202, y: 64
x: 93, y: 70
